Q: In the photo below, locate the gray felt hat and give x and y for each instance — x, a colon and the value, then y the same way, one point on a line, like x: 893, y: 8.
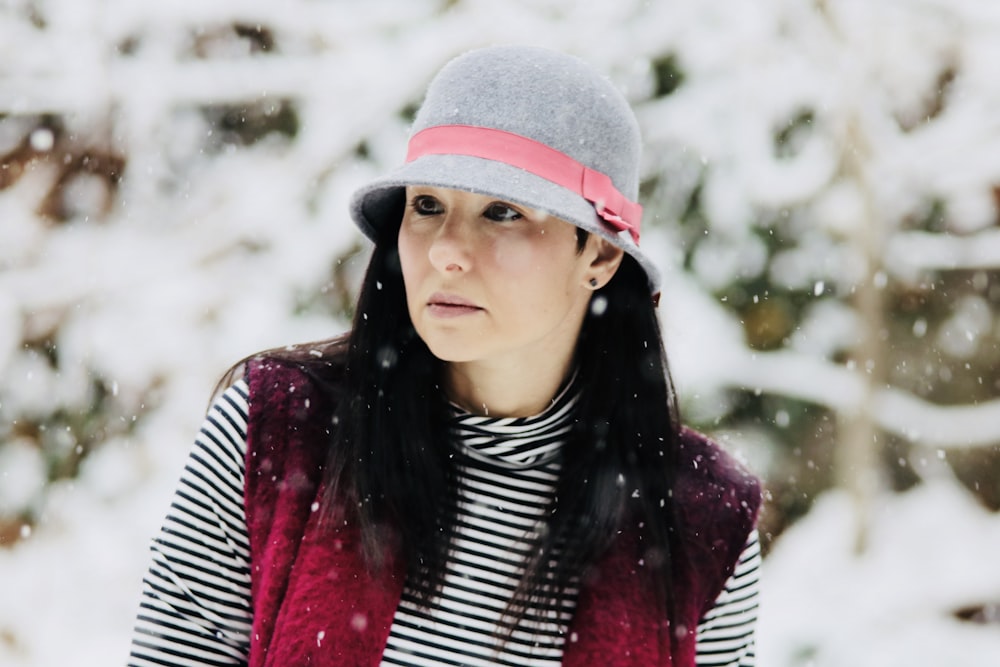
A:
x: 530, y: 126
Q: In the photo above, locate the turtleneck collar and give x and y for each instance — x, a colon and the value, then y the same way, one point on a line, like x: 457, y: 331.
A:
x: 517, y: 442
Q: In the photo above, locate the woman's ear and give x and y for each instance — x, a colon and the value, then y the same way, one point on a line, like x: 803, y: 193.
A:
x: 605, y: 260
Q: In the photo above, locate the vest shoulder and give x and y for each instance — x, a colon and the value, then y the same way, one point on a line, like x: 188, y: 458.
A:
x: 702, y: 457
x: 279, y: 376
x: 717, y: 502
x: 711, y: 481
x: 291, y: 407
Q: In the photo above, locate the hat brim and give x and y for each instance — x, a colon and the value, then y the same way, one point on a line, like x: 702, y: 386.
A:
x: 378, y: 205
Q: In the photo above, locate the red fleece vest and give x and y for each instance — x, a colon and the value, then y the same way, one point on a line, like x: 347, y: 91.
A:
x: 315, y: 603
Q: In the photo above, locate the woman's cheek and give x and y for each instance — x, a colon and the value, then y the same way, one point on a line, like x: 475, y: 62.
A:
x: 407, y: 247
x: 517, y: 257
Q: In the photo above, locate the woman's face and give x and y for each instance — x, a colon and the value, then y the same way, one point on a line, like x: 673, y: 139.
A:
x: 493, y: 282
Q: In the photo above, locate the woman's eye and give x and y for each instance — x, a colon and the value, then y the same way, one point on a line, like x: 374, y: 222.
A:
x: 501, y: 213
x: 425, y: 205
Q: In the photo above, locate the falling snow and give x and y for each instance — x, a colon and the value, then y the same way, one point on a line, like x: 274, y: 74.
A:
x: 209, y: 248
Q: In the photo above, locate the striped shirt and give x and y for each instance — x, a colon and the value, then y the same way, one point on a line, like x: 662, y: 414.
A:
x: 195, y: 607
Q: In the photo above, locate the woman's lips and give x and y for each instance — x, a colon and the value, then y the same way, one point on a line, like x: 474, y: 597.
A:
x: 450, y: 305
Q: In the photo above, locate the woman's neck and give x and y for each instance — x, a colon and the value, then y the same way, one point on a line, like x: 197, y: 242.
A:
x: 503, y: 390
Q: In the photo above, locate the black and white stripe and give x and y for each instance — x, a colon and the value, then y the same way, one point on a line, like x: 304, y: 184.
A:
x: 507, y: 479
x: 195, y: 607
x: 726, y: 634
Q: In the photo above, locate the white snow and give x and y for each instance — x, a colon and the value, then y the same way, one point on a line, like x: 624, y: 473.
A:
x: 932, y: 553
x: 209, y: 254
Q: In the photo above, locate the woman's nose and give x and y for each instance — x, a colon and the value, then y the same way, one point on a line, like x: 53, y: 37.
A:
x: 450, y: 248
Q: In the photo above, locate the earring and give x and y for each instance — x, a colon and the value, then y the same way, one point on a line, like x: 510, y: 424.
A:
x: 593, y: 282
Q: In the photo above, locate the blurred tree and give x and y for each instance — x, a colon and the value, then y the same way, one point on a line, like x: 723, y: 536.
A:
x: 811, y: 213
x: 829, y: 165
x: 821, y: 184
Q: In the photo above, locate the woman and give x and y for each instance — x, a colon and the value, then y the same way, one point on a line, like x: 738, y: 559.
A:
x: 488, y: 468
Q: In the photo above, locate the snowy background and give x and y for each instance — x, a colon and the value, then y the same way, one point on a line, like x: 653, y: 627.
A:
x: 822, y: 182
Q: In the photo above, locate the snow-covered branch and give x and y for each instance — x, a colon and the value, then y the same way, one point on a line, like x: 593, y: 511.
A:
x: 837, y: 387
x: 911, y: 252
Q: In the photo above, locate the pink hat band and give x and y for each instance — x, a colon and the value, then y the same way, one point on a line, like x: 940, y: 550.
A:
x: 617, y: 211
